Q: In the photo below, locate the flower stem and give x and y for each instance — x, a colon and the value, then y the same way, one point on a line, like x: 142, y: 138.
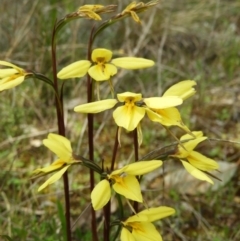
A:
x: 135, y: 141
x: 115, y: 150
x: 107, y: 208
x: 61, y: 131
x: 90, y: 98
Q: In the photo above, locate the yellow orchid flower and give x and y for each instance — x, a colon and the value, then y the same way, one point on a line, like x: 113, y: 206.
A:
x: 61, y: 146
x: 140, y: 227
x: 124, y: 182
x: 102, y: 67
x: 90, y: 11
x: 193, y: 161
x: 130, y: 9
x: 133, y: 109
x: 11, y: 77
x: 171, y: 116
x: 134, y: 8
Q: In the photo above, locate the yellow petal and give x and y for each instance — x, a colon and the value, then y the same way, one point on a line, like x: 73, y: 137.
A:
x: 91, y: 7
x: 76, y: 69
x: 183, y: 89
x: 104, y: 55
x: 129, y: 95
x: 7, y: 72
x: 126, y: 235
x: 53, y: 167
x: 153, y: 116
x: 167, y: 117
x: 154, y: 214
x: 146, y: 232
x: 55, y: 177
x: 101, y: 73
x: 128, y: 118
x: 60, y: 139
x: 202, y: 162
x: 101, y: 194
x: 190, y: 145
x: 197, y: 134
x: 128, y: 186
x: 130, y: 6
x: 135, y: 218
x: 162, y: 102
x: 135, y: 17
x: 195, y: 172
x: 8, y: 84
x: 60, y: 146
x: 132, y: 63
x: 96, y: 107
x: 5, y: 63
x: 139, y: 168
x: 170, y: 116
x: 89, y: 14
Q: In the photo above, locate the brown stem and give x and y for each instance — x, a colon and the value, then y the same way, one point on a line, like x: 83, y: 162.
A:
x: 91, y: 172
x: 107, y: 213
x: 90, y: 118
x: 135, y: 141
x: 115, y: 150
x: 107, y: 208
x: 61, y: 131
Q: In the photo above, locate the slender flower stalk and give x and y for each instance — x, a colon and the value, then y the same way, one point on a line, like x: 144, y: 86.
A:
x: 60, y: 118
x: 137, y: 138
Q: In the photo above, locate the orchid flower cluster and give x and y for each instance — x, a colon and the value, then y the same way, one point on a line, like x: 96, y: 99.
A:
x: 129, y: 109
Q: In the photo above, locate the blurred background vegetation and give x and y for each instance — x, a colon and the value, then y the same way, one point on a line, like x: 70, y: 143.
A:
x: 188, y: 39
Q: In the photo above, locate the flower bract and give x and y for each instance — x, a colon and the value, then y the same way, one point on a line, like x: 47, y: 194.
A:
x: 194, y: 162
x: 11, y: 77
x: 102, y: 67
x: 124, y: 182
